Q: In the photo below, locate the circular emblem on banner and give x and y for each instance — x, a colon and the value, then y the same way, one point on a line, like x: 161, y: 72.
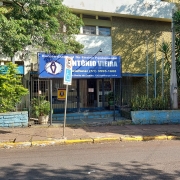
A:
x: 53, y: 67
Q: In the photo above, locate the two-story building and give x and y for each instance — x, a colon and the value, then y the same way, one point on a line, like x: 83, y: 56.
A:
x: 131, y: 29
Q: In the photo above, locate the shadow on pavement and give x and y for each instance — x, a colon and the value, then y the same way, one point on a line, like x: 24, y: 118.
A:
x: 130, y: 171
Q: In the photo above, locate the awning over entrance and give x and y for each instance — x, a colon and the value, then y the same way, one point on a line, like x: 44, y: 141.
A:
x: 84, y: 66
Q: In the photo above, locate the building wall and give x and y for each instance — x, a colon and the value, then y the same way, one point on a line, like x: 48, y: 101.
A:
x: 173, y: 1
x: 14, y: 119
x: 129, y: 40
x: 147, y: 9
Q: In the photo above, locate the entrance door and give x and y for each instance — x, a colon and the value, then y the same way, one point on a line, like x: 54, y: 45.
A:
x: 107, y: 89
x: 91, y: 94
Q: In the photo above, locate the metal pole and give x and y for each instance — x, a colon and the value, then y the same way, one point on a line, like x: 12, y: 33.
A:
x: 31, y: 94
x: 147, y: 70
x: 120, y: 90
x: 65, y: 112
x: 173, y: 80
x: 162, y: 71
x: 114, y: 98
x: 78, y: 96
x: 155, y: 67
x: 50, y: 94
x: 103, y: 95
x: 38, y: 91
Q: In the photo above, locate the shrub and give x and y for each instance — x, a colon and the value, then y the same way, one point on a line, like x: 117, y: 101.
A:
x: 145, y: 103
x: 11, y: 88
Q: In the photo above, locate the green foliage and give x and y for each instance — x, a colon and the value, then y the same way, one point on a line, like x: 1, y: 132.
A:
x: 165, y: 48
x: 111, y: 99
x: 177, y: 44
x: 11, y: 88
x: 145, y: 103
x: 110, y: 96
x: 40, y: 106
x: 40, y: 24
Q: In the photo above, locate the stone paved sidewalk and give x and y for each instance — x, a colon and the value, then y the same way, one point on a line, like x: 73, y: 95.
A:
x: 39, y: 134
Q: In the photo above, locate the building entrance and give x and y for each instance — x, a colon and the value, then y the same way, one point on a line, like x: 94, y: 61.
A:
x: 91, y: 93
x: 104, y: 87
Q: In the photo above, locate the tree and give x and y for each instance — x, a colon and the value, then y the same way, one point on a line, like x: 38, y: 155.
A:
x: 11, y: 88
x: 166, y: 48
x: 41, y: 23
x: 176, y: 19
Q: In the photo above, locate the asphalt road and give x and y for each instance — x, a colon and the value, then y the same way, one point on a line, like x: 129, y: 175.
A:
x: 124, y: 160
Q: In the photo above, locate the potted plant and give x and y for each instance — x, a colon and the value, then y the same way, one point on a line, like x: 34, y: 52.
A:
x: 40, y: 108
x: 110, y: 99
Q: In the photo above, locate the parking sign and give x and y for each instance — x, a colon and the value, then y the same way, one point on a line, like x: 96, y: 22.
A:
x: 68, y: 70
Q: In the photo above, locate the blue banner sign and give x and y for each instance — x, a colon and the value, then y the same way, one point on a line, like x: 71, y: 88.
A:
x: 84, y: 66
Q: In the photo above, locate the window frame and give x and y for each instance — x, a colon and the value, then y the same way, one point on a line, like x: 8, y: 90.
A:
x: 90, y: 30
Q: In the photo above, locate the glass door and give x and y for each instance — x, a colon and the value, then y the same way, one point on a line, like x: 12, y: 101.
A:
x: 108, y: 87
x: 91, y: 93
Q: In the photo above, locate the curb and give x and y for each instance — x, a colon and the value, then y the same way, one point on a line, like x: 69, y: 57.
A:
x: 8, y: 145
x: 100, y: 140
x: 76, y: 141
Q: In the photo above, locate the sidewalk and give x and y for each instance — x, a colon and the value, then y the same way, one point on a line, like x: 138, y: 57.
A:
x: 42, y: 135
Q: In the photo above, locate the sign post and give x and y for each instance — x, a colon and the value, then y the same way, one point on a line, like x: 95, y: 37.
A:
x: 67, y: 81
x: 50, y: 94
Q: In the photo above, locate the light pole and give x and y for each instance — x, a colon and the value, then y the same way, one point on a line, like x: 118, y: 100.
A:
x: 173, y: 80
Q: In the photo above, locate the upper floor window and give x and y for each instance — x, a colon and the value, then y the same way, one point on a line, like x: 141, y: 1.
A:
x: 89, y: 16
x: 89, y: 30
x: 93, y: 30
x: 104, y: 31
x: 104, y: 18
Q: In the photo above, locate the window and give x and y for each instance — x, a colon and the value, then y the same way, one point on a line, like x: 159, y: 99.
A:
x: 92, y: 23
x: 104, y: 31
x: 104, y: 18
x: 89, y: 30
x: 89, y: 16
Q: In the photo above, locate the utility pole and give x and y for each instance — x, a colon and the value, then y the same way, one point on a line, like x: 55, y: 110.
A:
x: 155, y: 67
x: 147, y: 69
x: 173, y: 80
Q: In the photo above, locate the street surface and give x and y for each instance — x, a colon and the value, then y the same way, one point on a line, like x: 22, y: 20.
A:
x: 123, y: 160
